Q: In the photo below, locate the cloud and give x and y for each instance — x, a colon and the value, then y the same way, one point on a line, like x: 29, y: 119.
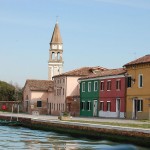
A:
x: 144, y: 4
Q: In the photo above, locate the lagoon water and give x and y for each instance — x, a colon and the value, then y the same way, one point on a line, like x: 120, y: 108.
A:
x: 18, y: 138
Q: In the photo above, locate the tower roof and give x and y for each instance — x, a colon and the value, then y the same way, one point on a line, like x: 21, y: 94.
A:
x: 56, y: 37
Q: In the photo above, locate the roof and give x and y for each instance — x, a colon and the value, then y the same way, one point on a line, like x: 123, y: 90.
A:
x: 104, y: 73
x: 56, y: 37
x: 39, y: 85
x: 84, y: 71
x: 141, y: 60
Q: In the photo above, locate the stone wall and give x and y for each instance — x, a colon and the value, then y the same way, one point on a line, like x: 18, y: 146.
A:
x: 9, y: 106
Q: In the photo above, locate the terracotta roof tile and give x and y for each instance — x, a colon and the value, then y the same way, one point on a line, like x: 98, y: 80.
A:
x: 108, y: 72
x: 84, y: 71
x: 40, y: 85
x: 141, y: 60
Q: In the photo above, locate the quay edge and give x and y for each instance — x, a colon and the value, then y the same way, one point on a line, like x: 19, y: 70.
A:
x: 89, y: 131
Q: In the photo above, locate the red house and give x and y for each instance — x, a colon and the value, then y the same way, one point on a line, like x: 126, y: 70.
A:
x: 112, y: 93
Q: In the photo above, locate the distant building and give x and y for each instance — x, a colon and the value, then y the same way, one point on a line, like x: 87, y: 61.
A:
x: 35, y: 96
x: 55, y: 64
x: 138, y: 88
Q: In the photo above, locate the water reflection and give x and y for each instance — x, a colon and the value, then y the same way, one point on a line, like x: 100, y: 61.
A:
x: 23, y: 138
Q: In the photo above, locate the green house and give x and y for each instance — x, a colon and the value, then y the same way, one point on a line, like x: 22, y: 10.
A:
x: 89, y: 97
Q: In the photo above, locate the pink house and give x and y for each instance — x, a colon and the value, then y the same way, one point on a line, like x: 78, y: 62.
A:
x: 66, y: 92
x: 35, y: 96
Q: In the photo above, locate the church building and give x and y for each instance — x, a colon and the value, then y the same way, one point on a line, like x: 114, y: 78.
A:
x: 38, y: 94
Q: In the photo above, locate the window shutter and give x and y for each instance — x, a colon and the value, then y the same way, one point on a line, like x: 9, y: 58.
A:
x: 141, y: 105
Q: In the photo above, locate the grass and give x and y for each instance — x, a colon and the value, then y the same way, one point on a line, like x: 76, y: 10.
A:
x: 141, y: 125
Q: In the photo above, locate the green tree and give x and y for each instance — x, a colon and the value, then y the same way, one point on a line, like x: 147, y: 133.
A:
x: 8, y: 92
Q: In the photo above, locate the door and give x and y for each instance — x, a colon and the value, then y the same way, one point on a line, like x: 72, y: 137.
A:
x: 49, y: 108
x: 134, y: 114
x: 27, y: 106
x: 95, y: 108
x: 118, y: 107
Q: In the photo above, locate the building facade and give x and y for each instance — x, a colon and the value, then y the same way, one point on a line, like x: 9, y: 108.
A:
x: 112, y: 94
x: 138, y: 88
x: 103, y: 94
x: 35, y: 96
x: 55, y: 64
x: 67, y: 91
x: 89, y: 97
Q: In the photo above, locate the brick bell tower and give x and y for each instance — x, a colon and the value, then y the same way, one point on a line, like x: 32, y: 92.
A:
x: 55, y: 63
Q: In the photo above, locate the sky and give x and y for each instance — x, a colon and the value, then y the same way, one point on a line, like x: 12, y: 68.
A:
x: 106, y: 33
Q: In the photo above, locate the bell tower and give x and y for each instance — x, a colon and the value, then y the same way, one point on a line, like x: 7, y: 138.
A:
x: 55, y: 64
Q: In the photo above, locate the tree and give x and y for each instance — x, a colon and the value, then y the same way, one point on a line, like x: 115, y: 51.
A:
x: 8, y: 92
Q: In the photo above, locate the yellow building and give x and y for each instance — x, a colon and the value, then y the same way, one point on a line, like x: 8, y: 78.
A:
x: 138, y: 88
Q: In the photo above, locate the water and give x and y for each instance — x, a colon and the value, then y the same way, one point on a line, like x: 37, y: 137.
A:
x: 18, y: 138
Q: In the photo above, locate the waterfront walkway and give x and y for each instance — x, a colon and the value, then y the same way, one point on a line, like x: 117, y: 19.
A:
x: 90, y: 119
x: 86, y: 121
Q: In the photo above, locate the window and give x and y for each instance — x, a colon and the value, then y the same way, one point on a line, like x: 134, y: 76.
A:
x: 108, y: 106
x: 129, y: 81
x: 83, y: 86
x: 53, y: 55
x: 140, y: 82
x: 118, y: 85
x: 139, y: 105
x: 89, y: 86
x: 39, y: 103
x: 108, y: 85
x: 95, y: 85
x: 58, y: 92
x: 102, y: 106
x: 58, y: 56
x: 27, y: 97
x: 102, y: 85
x: 55, y: 92
x: 89, y: 105
x: 54, y: 106
x: 63, y: 91
x: 82, y: 105
x: 63, y: 107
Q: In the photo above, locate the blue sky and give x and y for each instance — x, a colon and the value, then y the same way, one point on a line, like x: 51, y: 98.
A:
x: 107, y: 33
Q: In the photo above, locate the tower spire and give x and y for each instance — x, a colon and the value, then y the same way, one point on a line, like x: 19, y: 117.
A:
x: 56, y: 37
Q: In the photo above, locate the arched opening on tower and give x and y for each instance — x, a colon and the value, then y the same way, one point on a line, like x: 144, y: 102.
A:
x: 58, y: 56
x: 53, y: 56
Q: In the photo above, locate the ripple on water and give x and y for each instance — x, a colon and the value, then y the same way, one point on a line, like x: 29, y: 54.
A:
x: 22, y: 138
